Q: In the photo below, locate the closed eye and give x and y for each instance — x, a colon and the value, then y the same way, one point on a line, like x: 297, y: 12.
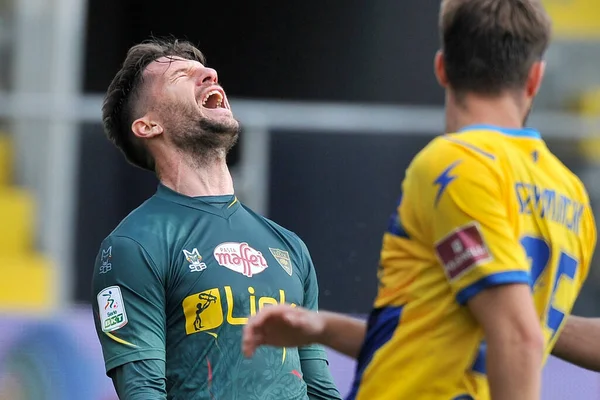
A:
x: 180, y: 73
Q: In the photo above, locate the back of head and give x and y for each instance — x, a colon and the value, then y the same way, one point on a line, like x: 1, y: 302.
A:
x: 489, y: 46
x: 124, y: 101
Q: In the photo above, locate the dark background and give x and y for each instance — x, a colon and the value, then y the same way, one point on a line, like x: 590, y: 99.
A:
x: 335, y: 191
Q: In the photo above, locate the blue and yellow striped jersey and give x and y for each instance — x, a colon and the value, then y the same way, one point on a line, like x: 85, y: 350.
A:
x: 483, y: 207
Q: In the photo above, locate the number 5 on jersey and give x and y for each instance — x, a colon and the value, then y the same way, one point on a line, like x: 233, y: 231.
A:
x: 562, y: 282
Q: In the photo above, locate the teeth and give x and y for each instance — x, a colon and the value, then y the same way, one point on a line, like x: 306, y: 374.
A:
x: 213, y: 92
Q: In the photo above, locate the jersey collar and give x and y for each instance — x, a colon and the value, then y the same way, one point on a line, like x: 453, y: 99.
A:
x: 223, y: 206
x: 523, y: 133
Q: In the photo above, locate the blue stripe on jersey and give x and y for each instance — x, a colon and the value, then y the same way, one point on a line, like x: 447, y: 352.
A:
x: 524, y: 132
x: 380, y: 329
x: 501, y: 278
x: 472, y: 147
x: 479, y: 364
x: 395, y: 225
x: 464, y: 397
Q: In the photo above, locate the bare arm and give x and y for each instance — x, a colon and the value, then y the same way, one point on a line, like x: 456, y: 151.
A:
x: 514, y: 340
x: 342, y: 333
x: 287, y: 326
x: 579, y: 342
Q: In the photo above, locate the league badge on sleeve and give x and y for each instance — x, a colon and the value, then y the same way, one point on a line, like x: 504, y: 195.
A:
x: 112, y: 309
x: 462, y: 250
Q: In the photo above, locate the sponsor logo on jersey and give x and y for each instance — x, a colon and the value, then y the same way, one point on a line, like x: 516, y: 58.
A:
x: 241, y: 258
x: 203, y: 311
x: 206, y: 311
x: 283, y: 259
x: 111, y: 309
x: 105, y: 257
x: 462, y: 250
x: 195, y: 260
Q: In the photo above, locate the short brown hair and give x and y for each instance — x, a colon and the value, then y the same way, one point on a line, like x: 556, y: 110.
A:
x: 122, y: 102
x: 489, y: 46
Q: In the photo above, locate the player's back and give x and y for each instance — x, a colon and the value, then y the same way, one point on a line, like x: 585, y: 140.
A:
x: 480, y: 208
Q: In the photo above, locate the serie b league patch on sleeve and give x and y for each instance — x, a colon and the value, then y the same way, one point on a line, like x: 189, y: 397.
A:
x: 111, y: 309
x: 462, y: 250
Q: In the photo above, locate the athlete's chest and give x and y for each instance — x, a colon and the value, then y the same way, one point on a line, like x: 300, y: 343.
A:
x: 225, y: 271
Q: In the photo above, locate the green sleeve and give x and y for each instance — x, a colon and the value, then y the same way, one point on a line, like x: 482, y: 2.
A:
x: 129, y: 303
x: 313, y: 358
x: 319, y: 382
x: 140, y: 380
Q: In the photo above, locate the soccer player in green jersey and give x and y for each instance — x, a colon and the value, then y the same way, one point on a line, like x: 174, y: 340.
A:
x: 175, y: 282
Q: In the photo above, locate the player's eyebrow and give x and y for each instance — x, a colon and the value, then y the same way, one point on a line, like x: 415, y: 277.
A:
x: 169, y: 75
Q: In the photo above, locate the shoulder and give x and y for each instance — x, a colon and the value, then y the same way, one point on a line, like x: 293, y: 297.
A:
x: 140, y: 229
x: 463, y: 151
x: 290, y: 238
x: 286, y: 233
x: 464, y: 145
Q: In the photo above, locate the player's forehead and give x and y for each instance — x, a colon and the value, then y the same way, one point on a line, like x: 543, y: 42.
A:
x: 168, y: 66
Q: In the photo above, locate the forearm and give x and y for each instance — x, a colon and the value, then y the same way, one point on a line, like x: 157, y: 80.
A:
x: 579, y: 342
x: 140, y: 380
x: 342, y: 333
x: 514, y: 369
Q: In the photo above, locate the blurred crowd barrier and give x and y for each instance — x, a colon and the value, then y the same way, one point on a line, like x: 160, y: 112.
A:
x: 59, y: 358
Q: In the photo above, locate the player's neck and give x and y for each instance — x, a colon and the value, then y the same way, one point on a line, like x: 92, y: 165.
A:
x: 211, y: 177
x: 502, y: 111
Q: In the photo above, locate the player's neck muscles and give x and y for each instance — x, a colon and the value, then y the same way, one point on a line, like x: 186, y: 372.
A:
x: 210, y: 178
x: 472, y: 110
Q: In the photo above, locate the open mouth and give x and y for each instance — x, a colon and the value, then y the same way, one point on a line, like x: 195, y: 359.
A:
x: 213, y: 99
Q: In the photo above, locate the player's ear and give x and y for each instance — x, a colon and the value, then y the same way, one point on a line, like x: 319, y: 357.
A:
x: 535, y: 78
x: 146, y: 128
x: 439, y: 67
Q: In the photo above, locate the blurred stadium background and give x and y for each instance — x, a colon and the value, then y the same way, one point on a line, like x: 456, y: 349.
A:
x: 334, y: 97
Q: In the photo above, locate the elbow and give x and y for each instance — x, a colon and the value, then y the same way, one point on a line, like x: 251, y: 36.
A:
x: 531, y: 338
x: 534, y: 343
x: 529, y: 342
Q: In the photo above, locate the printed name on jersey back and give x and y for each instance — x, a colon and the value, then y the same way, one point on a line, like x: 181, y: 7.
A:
x: 462, y: 250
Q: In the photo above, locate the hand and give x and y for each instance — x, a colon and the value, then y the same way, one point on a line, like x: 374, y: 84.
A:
x: 282, y: 326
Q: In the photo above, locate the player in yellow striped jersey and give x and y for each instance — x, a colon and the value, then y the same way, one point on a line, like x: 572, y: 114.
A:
x: 491, y: 239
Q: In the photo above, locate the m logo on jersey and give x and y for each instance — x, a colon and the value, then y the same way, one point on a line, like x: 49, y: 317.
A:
x: 105, y: 260
x: 283, y: 258
x: 203, y: 311
x: 241, y: 258
x: 195, y: 260
x: 462, y: 250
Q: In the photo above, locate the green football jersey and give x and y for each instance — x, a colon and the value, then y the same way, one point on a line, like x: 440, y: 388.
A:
x: 177, y: 280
